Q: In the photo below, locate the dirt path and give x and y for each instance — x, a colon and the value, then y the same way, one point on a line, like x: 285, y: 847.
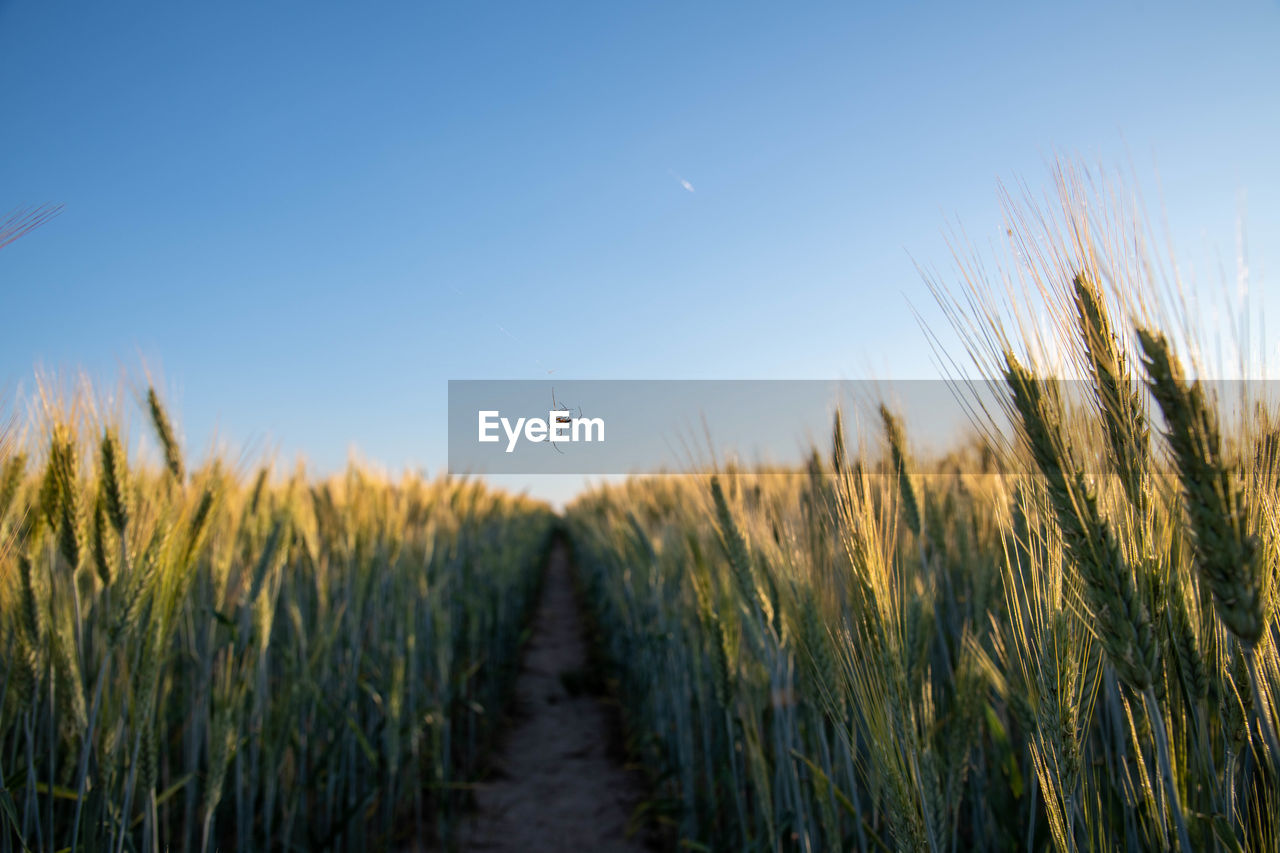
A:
x: 554, y: 785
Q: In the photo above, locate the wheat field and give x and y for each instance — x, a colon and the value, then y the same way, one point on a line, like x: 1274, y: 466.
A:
x: 1061, y: 636
x: 1057, y: 637
x: 200, y: 660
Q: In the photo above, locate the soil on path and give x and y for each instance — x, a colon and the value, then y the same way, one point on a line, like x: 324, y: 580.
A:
x: 554, y: 786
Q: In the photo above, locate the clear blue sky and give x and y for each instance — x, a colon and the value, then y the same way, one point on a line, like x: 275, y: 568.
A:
x: 308, y: 216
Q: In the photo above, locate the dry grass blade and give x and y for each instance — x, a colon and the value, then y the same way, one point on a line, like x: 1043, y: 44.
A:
x: 23, y: 221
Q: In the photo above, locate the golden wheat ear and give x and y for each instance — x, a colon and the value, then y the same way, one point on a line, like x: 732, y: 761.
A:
x: 164, y: 432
